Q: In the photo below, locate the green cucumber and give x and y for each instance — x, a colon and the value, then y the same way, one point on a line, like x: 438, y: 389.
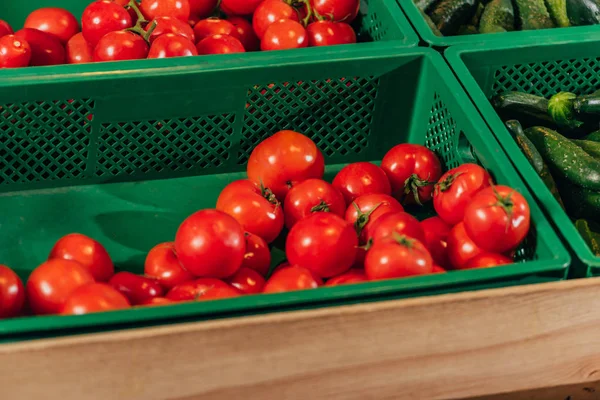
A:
x: 558, y: 12
x: 450, y: 15
x: 516, y: 105
x: 477, y: 16
x: 498, y: 16
x: 590, y: 147
x: 565, y: 158
x: 583, y: 12
x: 590, y: 237
x: 594, y: 136
x: 588, y: 104
x: 580, y: 203
x: 424, y: 5
x: 561, y: 108
x: 532, y: 14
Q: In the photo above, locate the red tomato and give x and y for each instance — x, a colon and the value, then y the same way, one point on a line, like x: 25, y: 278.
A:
x: 51, y: 283
x: 202, y: 8
x: 270, y: 11
x: 214, y: 26
x: 358, y: 179
x: 5, y: 28
x: 436, y: 239
x: 45, y: 48
x: 337, y: 10
x: 255, y: 208
x: 220, y: 44
x: 162, y: 264
x: 94, y: 297
x: 397, y: 258
x: 361, y: 254
x: 488, y: 260
x: 179, y: 9
x: 79, y: 50
x: 247, y: 281
x: 55, y: 21
x: 310, y: 196
x: 352, y: 276
x: 14, y: 52
x: 498, y: 219
x: 292, y: 278
x: 455, y: 190
x: 245, y: 33
x: 138, y: 289
x: 258, y: 255
x: 202, y: 289
x: 121, y: 46
x: 395, y: 224
x: 171, y: 25
x: 438, y: 270
x: 367, y: 209
x: 284, y: 34
x: 324, y: 243
x: 172, y: 45
x: 86, y: 251
x: 240, y: 7
x: 102, y: 17
x: 412, y: 171
x: 284, y: 160
x: 329, y: 33
x: 157, y: 301
x: 12, y: 293
x: 461, y: 248
x: 210, y: 243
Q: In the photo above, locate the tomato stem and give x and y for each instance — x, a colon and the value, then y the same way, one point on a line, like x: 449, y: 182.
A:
x: 446, y: 184
x: 134, y: 6
x: 363, y: 218
x: 403, y: 240
x: 141, y: 21
x: 506, y: 204
x: 413, y: 184
x: 321, y: 207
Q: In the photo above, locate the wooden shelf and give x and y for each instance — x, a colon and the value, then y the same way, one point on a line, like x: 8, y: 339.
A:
x: 529, y: 342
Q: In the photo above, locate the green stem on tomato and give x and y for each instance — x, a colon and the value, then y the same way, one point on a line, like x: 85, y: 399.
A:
x: 134, y: 6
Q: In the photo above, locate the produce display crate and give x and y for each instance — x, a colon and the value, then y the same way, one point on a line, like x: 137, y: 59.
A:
x: 125, y: 155
x: 544, y: 70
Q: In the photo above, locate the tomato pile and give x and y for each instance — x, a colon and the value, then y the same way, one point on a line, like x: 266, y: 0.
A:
x: 354, y: 229
x: 115, y: 30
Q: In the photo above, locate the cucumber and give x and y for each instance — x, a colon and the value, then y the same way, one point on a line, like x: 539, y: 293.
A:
x: 583, y: 12
x: 580, y: 203
x: 424, y: 5
x: 590, y: 147
x: 558, y: 12
x: 429, y: 22
x: 477, y: 16
x: 594, y: 137
x: 498, y: 16
x: 522, y: 104
x: 590, y: 237
x: 565, y: 158
x: 532, y: 14
x: 467, y: 30
x: 450, y: 15
x: 588, y: 104
x: 562, y: 110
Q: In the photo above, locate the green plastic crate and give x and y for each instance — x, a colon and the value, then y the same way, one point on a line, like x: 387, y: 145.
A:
x: 163, y: 142
x: 430, y: 39
x: 543, y: 69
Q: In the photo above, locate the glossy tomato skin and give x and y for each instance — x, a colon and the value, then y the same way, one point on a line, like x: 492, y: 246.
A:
x: 413, y: 168
x: 438, y: 270
x: 270, y: 11
x: 86, y: 251
x: 202, y: 8
x: 14, y: 52
x: 213, y: 26
x: 179, y: 9
x: 50, y: 285
x: 245, y: 33
x: 55, y: 21
x: 166, y: 25
x: 455, y: 190
x: 396, y: 224
x: 337, y: 10
x: 283, y: 160
x: 329, y: 33
x: 436, y: 239
x: 255, y: 208
x: 162, y: 265
x: 498, y: 219
x: 138, y: 289
x: 5, y: 28
x: 210, y: 243
x: 365, y: 210
x: 220, y: 44
x: 284, y: 34
x: 488, y: 260
x: 247, y: 281
x: 172, y: 45
x: 324, y: 243
x: 292, y: 278
x: 121, y: 46
x: 219, y: 293
x: 388, y: 259
x: 12, y: 293
x: 240, y: 7
x: 45, y: 48
x: 310, y: 196
x: 157, y: 301
x: 359, y: 179
x: 94, y: 297
x: 258, y: 255
x: 461, y: 248
x: 79, y: 51
x: 202, y: 289
x: 102, y: 17
x: 350, y: 277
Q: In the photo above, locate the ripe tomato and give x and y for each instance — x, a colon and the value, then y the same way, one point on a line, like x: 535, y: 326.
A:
x: 102, y: 17
x: 51, y: 283
x: 87, y: 252
x: 461, y: 248
x: 219, y: 44
x: 79, y: 50
x: 94, y: 297
x: 412, y: 171
x: 179, y: 9
x: 172, y: 45
x: 310, y: 196
x: 395, y: 224
x: 45, y: 48
x: 488, y: 260
x: 270, y: 11
x: 196, y: 290
x: 14, y: 52
x: 214, y: 26
x: 157, y: 301
x: 55, y: 21
x: 5, y: 28
x: 162, y: 264
x: 284, y: 34
x: 245, y: 33
x: 367, y: 209
x: 138, y: 289
x: 455, y: 190
x: 171, y: 25
x: 397, y: 258
x: 247, y: 281
x: 219, y: 293
x: 329, y: 33
x: 358, y: 179
x: 258, y: 255
x: 292, y: 278
x: 202, y: 8
x: 284, y: 160
x: 121, y: 46
x: 240, y: 7
x: 337, y: 10
x: 324, y: 243
x: 255, y: 208
x: 12, y: 293
x: 210, y: 243
x: 436, y: 239
x: 438, y: 270
x: 352, y: 276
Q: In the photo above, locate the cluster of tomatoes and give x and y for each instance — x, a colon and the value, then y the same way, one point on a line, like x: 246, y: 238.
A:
x: 352, y: 230
x: 115, y: 30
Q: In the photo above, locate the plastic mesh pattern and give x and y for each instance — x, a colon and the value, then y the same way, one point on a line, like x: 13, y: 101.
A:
x: 442, y: 133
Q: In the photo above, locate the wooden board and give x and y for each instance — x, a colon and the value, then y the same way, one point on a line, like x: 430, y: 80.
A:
x: 506, y: 343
